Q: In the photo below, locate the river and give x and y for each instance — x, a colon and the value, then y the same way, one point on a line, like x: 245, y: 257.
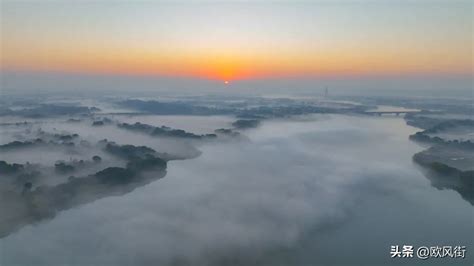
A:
x: 317, y: 190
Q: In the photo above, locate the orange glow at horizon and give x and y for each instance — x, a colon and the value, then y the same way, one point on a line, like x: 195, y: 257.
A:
x: 219, y: 63
x: 238, y: 41
x: 234, y: 66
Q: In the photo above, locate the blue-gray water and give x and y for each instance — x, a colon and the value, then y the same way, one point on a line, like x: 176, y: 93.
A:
x: 320, y: 190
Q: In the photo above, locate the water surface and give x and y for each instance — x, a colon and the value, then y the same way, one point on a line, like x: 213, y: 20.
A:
x: 323, y: 190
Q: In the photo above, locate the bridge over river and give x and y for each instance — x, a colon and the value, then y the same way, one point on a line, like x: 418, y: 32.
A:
x: 395, y: 112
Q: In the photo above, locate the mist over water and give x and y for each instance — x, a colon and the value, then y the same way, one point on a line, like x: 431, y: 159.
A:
x: 297, y: 193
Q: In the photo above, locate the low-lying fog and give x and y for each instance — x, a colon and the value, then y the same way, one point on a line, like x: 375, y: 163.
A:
x: 319, y: 190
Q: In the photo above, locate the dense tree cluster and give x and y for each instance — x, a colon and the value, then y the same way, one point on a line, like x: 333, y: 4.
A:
x: 6, y: 168
x: 163, y: 131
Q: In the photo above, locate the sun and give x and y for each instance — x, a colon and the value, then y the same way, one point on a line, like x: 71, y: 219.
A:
x: 226, y: 82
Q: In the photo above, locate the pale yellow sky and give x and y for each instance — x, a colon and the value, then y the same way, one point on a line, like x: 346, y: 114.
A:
x: 240, y: 40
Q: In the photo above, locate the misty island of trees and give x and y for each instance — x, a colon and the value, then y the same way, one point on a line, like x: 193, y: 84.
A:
x: 43, y: 140
x: 63, y: 167
x: 66, y: 137
x: 448, y: 164
x: 425, y: 136
x: 19, y: 175
x: 101, y: 122
x: 139, y: 159
x: 135, y: 166
x: 26, y: 205
x: 6, y: 168
x: 445, y: 176
x: 127, y: 151
x: 25, y: 172
x: 421, y: 121
x: 45, y: 110
x: 163, y: 131
x: 21, y: 144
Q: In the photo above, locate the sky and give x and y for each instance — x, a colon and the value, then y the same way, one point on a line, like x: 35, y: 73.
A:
x: 235, y: 41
